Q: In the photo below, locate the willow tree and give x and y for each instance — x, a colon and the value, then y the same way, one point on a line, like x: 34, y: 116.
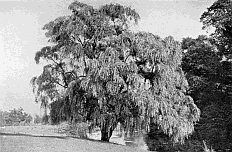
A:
x: 44, y: 92
x: 111, y: 75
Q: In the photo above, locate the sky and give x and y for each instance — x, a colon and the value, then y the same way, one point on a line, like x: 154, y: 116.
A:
x: 21, y: 35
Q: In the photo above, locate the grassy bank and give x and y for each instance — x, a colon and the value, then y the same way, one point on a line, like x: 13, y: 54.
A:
x: 47, y: 139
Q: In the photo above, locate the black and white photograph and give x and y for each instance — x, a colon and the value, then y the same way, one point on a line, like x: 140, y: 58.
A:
x: 116, y: 75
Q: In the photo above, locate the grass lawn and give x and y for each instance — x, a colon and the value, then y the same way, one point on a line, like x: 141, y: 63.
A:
x: 42, y: 139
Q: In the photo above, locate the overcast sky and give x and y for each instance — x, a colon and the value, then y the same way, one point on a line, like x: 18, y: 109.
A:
x: 21, y: 35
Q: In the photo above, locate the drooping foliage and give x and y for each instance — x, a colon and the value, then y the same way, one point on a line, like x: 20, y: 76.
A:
x: 109, y: 74
x: 44, y: 90
x: 159, y: 64
x: 60, y: 110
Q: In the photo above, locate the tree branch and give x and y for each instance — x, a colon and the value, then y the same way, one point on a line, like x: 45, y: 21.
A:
x: 79, y: 40
x: 54, y: 61
x: 60, y: 84
x: 62, y: 72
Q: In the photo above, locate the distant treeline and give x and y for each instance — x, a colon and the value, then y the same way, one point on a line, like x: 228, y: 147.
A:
x: 15, y: 117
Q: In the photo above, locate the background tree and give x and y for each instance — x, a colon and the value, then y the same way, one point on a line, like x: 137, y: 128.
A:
x: 110, y: 74
x: 200, y: 62
x: 3, y: 117
x: 2, y: 122
x: 219, y: 16
x: 14, y: 117
x: 37, y: 119
x: 210, y: 86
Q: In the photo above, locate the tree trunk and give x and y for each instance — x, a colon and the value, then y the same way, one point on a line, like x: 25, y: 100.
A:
x: 104, y: 135
x: 106, y: 131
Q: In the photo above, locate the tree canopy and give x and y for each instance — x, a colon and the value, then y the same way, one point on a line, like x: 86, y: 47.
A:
x: 210, y: 86
x: 209, y: 72
x: 218, y: 15
x: 107, y: 74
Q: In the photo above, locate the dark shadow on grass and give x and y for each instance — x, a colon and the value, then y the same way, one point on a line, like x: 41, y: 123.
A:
x: 59, y: 137
x: 95, y: 140
x: 29, y: 135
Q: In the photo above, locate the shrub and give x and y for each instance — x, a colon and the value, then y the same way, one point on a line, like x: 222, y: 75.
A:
x: 74, y: 129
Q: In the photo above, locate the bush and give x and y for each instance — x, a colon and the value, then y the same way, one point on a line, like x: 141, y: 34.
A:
x: 74, y: 129
x: 81, y: 129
